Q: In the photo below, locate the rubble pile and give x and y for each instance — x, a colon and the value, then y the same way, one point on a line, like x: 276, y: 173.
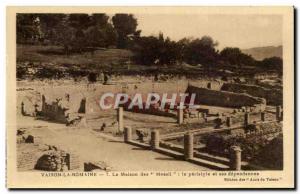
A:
x: 23, y: 137
x: 99, y: 165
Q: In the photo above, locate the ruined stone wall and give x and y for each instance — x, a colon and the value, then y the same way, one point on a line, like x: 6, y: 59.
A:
x: 224, y: 98
x: 272, y: 96
x: 28, y: 102
x: 174, y: 86
x: 54, y: 111
x: 63, y: 107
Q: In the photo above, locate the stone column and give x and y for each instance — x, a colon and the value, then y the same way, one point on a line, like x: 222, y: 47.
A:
x: 247, y: 119
x: 188, y: 146
x: 154, y: 142
x: 263, y: 116
x: 204, y: 116
x: 127, y: 134
x: 235, y: 158
x: 209, y: 85
x: 179, y: 116
x: 228, y: 121
x: 120, y: 119
x: 278, y: 113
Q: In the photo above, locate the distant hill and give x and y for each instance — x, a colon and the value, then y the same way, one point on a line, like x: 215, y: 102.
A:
x: 259, y: 53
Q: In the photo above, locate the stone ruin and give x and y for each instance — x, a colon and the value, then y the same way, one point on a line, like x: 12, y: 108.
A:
x: 226, y: 99
x: 65, y: 108
x: 24, y: 137
x: 40, y: 156
x: 96, y: 166
x: 53, y: 160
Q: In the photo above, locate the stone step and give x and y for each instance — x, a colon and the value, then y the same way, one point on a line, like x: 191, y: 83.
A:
x: 139, y: 144
x: 202, y: 159
x: 212, y: 158
x: 209, y: 164
x: 170, y: 153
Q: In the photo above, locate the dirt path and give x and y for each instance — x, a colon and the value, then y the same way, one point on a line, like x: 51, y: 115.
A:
x: 91, y: 146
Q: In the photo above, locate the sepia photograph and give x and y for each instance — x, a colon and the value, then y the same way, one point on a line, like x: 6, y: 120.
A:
x: 138, y: 95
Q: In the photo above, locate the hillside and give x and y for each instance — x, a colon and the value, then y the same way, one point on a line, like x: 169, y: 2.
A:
x: 55, y: 55
x: 259, y: 53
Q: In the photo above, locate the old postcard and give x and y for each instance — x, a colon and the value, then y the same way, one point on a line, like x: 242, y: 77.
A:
x: 150, y: 97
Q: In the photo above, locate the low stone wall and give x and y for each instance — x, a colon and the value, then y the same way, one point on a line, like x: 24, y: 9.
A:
x: 27, y: 156
x: 224, y: 98
x: 273, y: 96
x: 46, y: 158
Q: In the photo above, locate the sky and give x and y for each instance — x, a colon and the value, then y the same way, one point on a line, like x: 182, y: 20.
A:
x: 243, y: 31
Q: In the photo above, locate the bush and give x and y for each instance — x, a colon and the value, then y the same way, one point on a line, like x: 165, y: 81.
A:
x: 252, y: 146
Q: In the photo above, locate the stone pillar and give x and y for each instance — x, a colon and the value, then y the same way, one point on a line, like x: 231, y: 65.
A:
x: 228, y: 121
x: 204, y: 116
x: 278, y: 113
x: 235, y: 158
x: 127, y: 134
x: 263, y: 116
x: 120, y: 119
x: 154, y: 142
x: 188, y: 146
x: 179, y: 116
x: 209, y: 85
x: 247, y: 119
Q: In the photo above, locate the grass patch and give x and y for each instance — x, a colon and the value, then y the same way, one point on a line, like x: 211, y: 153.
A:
x: 55, y: 55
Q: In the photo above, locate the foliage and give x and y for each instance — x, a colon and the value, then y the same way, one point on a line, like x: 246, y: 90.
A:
x: 72, y: 31
x: 254, y: 146
x: 78, y: 33
x: 199, y: 51
x: 155, y: 50
x: 234, y: 56
x: 27, y: 28
x: 125, y: 25
x: 273, y: 63
x: 271, y: 156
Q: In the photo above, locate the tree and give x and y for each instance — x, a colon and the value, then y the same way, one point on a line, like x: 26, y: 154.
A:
x: 99, y: 19
x: 273, y: 63
x: 65, y: 36
x: 150, y: 50
x: 101, y: 33
x: 234, y: 56
x: 80, y: 21
x: 28, y: 28
x: 49, y: 23
x: 199, y: 51
x: 125, y: 25
x: 104, y: 36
